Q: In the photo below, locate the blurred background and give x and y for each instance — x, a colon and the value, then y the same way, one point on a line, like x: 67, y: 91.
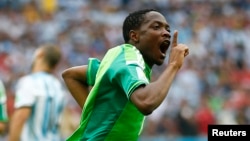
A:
x: 213, y: 86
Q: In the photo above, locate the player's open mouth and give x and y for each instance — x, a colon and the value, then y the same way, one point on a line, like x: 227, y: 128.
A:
x: 164, y: 47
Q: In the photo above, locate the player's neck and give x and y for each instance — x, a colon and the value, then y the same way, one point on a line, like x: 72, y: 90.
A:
x: 41, y: 67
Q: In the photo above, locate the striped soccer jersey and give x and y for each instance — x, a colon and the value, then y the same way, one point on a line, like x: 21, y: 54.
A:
x: 45, y: 95
x: 108, y: 114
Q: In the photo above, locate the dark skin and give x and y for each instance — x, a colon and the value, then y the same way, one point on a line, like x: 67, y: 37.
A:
x: 152, y: 33
x: 76, y: 80
x: 148, y: 39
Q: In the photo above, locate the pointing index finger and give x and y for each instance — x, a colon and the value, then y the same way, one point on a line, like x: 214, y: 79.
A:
x: 175, y: 39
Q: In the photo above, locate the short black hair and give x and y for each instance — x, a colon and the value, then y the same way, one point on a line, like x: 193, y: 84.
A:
x: 133, y: 21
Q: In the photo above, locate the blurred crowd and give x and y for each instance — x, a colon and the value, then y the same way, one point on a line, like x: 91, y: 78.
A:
x: 213, y: 86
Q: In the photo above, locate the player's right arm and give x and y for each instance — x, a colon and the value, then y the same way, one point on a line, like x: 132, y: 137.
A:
x: 19, y: 117
x: 25, y: 98
x: 79, y: 78
x: 75, y: 79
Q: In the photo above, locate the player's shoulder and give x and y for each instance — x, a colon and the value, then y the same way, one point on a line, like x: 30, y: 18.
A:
x: 27, y: 77
x: 25, y: 81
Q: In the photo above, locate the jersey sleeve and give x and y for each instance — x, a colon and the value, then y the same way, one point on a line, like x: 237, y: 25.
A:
x: 2, y: 93
x: 131, y: 77
x: 3, y: 108
x: 25, y: 93
x: 93, y: 66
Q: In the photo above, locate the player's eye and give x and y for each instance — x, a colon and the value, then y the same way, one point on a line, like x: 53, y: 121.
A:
x: 156, y: 27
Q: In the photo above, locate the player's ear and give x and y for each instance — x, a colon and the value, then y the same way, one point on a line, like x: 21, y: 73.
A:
x: 39, y: 53
x: 134, y: 36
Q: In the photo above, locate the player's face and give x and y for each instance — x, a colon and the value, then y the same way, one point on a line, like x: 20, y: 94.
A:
x: 154, y: 38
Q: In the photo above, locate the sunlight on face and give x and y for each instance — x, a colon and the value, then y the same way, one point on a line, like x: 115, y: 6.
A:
x: 35, y: 56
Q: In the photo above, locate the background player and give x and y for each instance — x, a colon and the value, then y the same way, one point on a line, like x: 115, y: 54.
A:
x: 39, y: 100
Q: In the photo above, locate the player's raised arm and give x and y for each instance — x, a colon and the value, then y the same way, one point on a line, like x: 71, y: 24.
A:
x: 178, y: 52
x: 148, y: 98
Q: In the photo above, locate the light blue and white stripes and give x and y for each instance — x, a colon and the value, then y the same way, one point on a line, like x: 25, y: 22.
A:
x: 45, y: 95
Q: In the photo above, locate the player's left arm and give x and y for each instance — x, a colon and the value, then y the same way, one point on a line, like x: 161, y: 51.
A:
x: 19, y: 117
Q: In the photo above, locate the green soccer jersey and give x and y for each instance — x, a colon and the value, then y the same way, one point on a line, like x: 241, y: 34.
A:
x: 3, y: 109
x: 108, y: 114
